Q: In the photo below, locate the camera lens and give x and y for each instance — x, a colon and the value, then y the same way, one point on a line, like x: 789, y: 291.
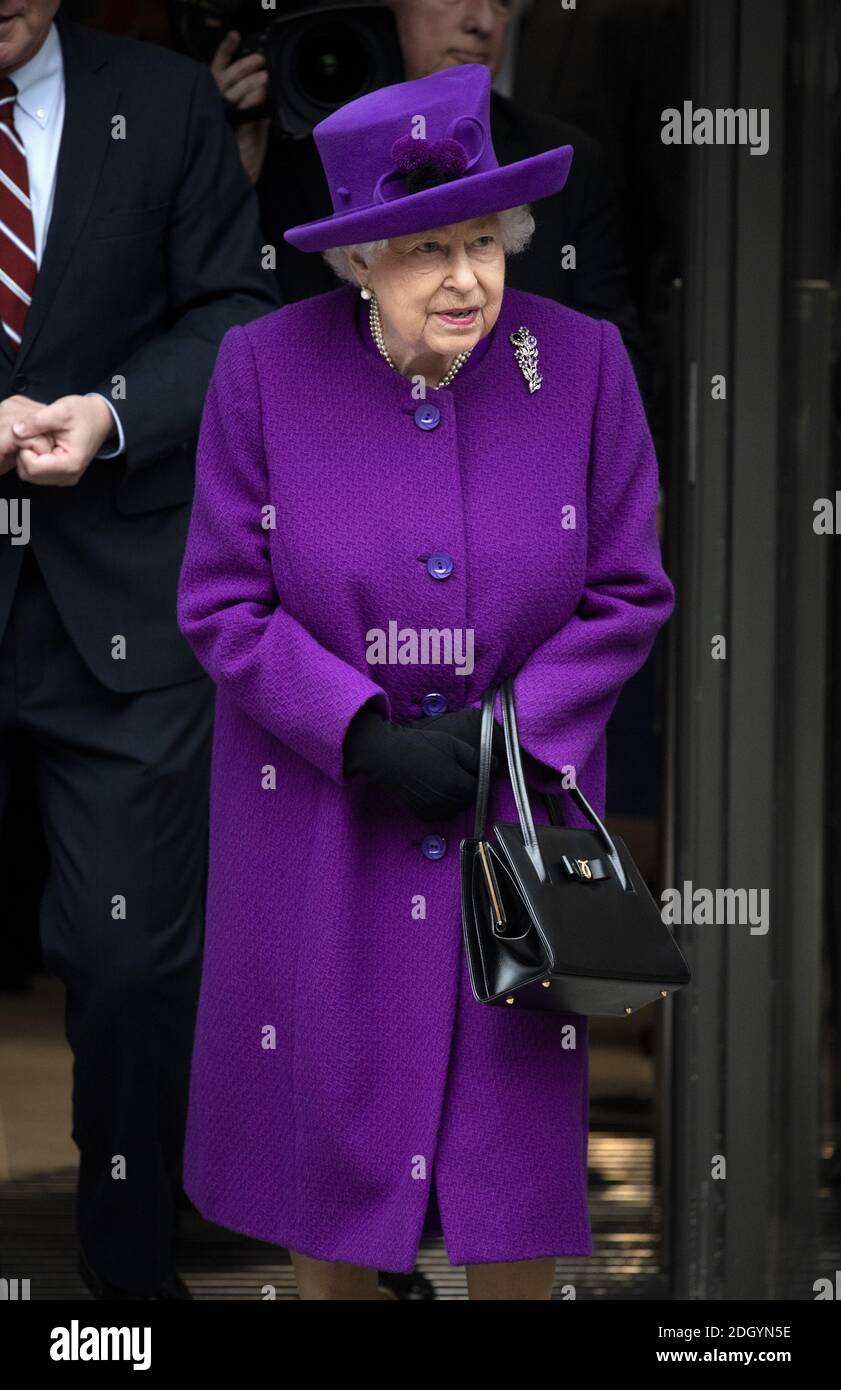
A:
x: 332, y: 64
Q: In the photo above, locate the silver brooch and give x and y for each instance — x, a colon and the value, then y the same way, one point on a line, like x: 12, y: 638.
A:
x: 526, y: 353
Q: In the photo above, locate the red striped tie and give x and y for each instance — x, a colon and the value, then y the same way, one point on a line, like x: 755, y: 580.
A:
x: 18, y: 266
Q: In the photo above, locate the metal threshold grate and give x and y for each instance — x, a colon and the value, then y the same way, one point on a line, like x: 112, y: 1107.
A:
x: 37, y: 1221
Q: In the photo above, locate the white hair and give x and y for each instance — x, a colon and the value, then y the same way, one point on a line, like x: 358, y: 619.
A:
x: 516, y: 226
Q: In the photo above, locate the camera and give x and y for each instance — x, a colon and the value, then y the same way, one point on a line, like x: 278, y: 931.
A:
x: 319, y: 56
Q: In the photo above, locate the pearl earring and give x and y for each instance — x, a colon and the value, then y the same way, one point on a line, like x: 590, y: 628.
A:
x: 366, y: 293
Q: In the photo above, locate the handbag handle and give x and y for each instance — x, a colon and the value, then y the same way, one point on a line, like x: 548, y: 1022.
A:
x: 518, y: 781
x: 485, y: 749
x: 518, y: 784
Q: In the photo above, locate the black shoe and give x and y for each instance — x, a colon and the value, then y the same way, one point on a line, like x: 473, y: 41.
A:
x: 172, y: 1287
x: 406, y: 1287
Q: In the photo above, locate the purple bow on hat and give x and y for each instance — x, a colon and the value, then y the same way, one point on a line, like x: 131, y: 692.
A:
x: 420, y: 163
x: 410, y: 153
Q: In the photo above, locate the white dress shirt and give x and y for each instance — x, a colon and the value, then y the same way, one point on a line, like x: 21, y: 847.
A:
x: 39, y: 121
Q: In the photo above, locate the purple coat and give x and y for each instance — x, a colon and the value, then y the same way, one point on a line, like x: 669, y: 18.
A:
x: 342, y: 1067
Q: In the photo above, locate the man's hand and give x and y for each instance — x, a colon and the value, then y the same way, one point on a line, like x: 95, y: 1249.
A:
x: 244, y: 83
x: 15, y: 408
x: 79, y: 424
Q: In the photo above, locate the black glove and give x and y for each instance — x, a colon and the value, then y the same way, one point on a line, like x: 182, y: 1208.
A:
x: 466, y: 724
x: 430, y: 773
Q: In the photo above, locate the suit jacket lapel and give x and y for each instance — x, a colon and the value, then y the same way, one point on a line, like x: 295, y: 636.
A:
x: 90, y: 101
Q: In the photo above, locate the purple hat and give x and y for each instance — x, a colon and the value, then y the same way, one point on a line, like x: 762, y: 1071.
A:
x: 419, y: 155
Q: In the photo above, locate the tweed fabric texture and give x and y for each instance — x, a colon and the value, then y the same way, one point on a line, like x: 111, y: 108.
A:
x: 340, y: 1058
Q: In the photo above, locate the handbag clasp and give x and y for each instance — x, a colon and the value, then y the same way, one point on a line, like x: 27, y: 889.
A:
x: 579, y: 868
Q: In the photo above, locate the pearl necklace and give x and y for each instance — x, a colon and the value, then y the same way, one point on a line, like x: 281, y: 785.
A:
x: 377, y: 335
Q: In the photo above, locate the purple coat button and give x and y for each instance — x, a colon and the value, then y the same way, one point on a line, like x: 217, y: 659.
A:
x: 440, y: 565
x: 434, y: 846
x: 427, y: 417
x: 434, y: 703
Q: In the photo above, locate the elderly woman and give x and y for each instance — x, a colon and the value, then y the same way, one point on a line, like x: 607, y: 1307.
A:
x: 432, y: 471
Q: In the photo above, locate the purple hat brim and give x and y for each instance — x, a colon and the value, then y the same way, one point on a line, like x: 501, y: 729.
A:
x: 475, y: 195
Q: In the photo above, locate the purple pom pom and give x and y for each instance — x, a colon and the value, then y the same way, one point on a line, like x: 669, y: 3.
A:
x: 407, y: 154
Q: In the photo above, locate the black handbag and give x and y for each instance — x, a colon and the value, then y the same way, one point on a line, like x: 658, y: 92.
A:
x: 557, y: 917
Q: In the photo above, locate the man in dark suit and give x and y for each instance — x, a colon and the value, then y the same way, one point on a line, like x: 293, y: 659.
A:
x: 433, y: 34
x: 129, y: 244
